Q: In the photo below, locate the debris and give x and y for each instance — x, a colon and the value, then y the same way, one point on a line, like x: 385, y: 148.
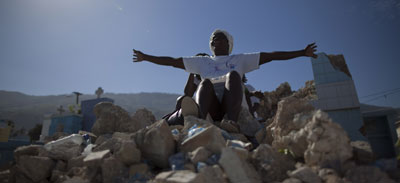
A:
x: 306, y: 175
x: 237, y: 170
x: 295, y: 144
x: 156, y: 143
x: 210, y: 138
x: 181, y: 176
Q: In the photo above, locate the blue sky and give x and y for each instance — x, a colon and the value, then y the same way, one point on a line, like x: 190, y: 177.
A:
x: 60, y: 46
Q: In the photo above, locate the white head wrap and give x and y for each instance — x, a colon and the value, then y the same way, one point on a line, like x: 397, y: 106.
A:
x: 227, y: 35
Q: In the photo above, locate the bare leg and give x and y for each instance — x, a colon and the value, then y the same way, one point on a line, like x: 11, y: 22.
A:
x: 233, y: 95
x: 208, y: 101
x: 178, y: 102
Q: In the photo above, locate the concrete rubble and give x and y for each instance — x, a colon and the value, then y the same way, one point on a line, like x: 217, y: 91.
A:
x: 294, y: 143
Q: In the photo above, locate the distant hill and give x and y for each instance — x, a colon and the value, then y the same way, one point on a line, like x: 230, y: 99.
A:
x: 27, y: 110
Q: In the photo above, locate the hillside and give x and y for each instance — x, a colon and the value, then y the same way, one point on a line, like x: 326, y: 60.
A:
x: 27, y: 110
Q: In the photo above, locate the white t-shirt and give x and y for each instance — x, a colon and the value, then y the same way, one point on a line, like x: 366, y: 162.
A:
x: 216, y: 67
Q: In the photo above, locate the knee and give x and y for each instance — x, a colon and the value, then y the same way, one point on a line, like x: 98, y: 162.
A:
x: 179, y: 98
x: 206, y: 84
x: 234, y: 76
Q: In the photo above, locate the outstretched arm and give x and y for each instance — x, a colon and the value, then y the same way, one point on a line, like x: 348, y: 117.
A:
x: 190, y: 87
x: 138, y: 56
x: 286, y: 55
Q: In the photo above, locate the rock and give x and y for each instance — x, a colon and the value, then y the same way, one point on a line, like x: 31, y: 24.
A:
x: 189, y: 122
x: 21, y: 178
x: 141, y: 168
x: 270, y: 164
x: 75, y: 162
x: 122, y: 136
x: 333, y: 179
x: 229, y: 126
x: 143, y: 118
x: 309, y: 134
x: 307, y: 92
x: 239, y: 136
x: 283, y: 90
x: 237, y: 143
x: 102, y: 138
x: 95, y: 159
x: 367, y: 174
x: 292, y: 180
x: 269, y: 103
x: 112, y: 118
x: 362, y: 152
x: 237, y: 170
x: 329, y: 176
x: 58, y: 176
x: 241, y: 152
x: 35, y: 167
x: 112, y: 169
x: 156, y: 143
x: 64, y: 151
x: 200, y: 154
x: 4, y: 176
x: 292, y: 115
x: 180, y: 176
x: 112, y: 144
x: 76, y: 180
x: 260, y: 136
x: 213, y: 174
x: 211, y: 138
x: 87, y: 174
x: 189, y: 166
x: 305, y: 174
x: 326, y: 172
x: 61, y: 166
x: 30, y: 150
x: 328, y: 143
x: 128, y: 153
x: 247, y: 124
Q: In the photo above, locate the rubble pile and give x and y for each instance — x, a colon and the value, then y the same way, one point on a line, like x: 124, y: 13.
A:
x: 300, y: 144
x: 269, y: 103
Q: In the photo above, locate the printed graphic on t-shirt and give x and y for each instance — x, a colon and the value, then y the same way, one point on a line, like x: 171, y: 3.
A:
x: 220, y: 68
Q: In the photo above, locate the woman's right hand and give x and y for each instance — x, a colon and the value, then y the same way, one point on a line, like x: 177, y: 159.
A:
x: 138, y: 56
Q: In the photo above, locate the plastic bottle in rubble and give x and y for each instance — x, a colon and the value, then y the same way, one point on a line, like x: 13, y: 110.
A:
x: 75, y: 138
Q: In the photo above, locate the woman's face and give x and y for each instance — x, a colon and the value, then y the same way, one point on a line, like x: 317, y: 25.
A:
x: 219, y: 44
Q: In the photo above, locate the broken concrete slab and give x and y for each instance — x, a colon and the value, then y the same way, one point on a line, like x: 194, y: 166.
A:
x: 247, y: 124
x: 141, y: 168
x: 213, y: 174
x: 229, y: 126
x: 362, y: 152
x: 305, y: 174
x: 322, y: 134
x: 128, y: 153
x: 111, y: 118
x: 237, y: 170
x: 270, y: 164
x: 200, y: 154
x: 95, y: 159
x: 180, y: 176
x: 143, y: 118
x: 112, y: 169
x: 31, y: 150
x: 367, y: 174
x: 64, y: 151
x: 156, y: 143
x: 35, y: 167
x: 210, y: 137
